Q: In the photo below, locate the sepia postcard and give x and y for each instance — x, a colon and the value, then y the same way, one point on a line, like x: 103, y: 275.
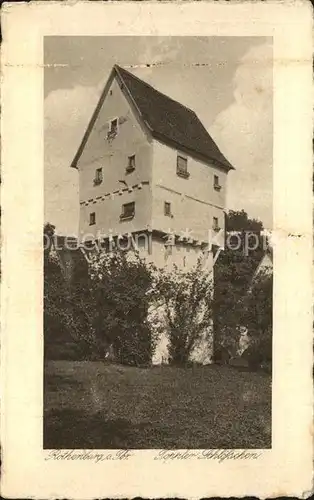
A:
x: 157, y: 267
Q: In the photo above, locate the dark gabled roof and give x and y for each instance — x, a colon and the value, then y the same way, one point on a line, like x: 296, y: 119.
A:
x: 167, y: 120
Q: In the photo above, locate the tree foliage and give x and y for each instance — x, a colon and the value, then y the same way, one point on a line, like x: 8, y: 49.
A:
x: 238, y: 220
x: 68, y: 307
x: 258, y: 310
x: 120, y: 285
x: 258, y: 318
x: 109, y: 305
x: 106, y: 309
x: 68, y: 311
x: 186, y: 299
x: 234, y: 271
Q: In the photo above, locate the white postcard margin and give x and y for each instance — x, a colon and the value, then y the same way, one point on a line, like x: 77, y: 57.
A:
x: 286, y: 469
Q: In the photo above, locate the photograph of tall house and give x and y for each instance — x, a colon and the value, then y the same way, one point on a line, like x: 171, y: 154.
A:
x: 158, y: 258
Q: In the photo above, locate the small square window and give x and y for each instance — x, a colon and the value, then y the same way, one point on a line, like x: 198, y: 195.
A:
x: 217, y: 186
x: 98, y: 176
x: 182, y: 167
x: 131, y: 163
x: 92, y: 219
x: 167, y: 208
x: 215, y: 224
x: 114, y: 126
x: 128, y: 210
x: 113, y: 129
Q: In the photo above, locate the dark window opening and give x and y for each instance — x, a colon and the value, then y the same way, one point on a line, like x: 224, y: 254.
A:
x: 167, y: 208
x: 98, y: 176
x: 128, y: 210
x: 217, y: 186
x: 131, y: 163
x: 114, y: 126
x: 182, y: 167
x: 113, y: 129
x: 215, y: 224
x: 92, y: 219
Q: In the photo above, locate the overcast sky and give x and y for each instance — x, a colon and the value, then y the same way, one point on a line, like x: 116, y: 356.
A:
x: 227, y: 81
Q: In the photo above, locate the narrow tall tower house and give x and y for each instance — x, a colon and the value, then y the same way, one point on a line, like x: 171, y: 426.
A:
x: 148, y: 168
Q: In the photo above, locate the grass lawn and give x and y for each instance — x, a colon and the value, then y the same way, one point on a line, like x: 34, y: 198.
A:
x: 95, y: 405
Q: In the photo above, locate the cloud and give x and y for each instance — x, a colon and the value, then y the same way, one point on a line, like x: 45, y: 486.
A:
x: 155, y: 58
x: 164, y: 50
x: 253, y: 78
x: 67, y: 113
x: 244, y: 133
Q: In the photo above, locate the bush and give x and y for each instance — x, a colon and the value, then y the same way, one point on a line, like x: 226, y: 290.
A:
x: 120, y: 285
x: 107, y: 309
x: 111, y: 309
x: 186, y: 301
x: 67, y: 332
x: 221, y: 356
x: 259, y: 353
x: 68, y: 312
